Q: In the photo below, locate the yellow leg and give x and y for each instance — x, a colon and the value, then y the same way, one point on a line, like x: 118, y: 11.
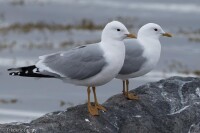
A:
x: 124, y: 87
x: 100, y: 107
x: 92, y: 109
x: 130, y: 96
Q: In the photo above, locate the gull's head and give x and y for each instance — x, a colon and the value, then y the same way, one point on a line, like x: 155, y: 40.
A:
x: 152, y: 30
x: 115, y: 31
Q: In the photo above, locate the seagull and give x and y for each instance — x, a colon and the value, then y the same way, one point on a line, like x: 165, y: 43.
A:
x: 88, y: 65
x: 142, y: 55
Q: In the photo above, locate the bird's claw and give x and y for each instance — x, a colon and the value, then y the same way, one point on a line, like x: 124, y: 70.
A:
x: 93, y: 110
x: 100, y: 107
x: 132, y: 96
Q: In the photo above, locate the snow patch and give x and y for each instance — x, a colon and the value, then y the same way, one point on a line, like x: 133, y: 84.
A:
x: 137, y: 116
x: 87, y: 120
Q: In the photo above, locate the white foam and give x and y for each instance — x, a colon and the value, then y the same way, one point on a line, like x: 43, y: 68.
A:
x: 20, y: 113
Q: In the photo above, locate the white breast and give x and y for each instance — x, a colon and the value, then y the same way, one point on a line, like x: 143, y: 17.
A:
x: 152, y: 49
x: 152, y: 54
x: 114, y: 55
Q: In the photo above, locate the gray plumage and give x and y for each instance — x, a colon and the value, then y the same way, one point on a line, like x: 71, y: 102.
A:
x: 79, y: 63
x: 134, y: 58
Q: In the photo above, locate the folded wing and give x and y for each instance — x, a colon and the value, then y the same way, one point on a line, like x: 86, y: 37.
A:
x: 134, y: 57
x: 79, y: 63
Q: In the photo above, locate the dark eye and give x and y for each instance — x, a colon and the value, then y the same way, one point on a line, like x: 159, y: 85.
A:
x: 118, y: 29
x: 156, y: 29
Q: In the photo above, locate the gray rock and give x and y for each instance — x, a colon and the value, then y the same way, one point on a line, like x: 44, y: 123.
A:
x: 168, y: 106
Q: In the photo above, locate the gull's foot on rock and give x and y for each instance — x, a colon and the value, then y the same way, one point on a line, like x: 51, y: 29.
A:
x: 93, y: 110
x: 100, y: 107
x: 132, y: 96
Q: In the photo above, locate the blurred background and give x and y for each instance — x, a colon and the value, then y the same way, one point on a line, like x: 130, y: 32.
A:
x: 30, y: 28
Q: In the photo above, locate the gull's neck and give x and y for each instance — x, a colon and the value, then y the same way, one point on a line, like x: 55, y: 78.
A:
x: 112, y: 44
x: 152, y: 41
x: 109, y: 39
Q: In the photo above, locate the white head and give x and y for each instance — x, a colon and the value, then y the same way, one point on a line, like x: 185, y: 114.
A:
x: 152, y: 30
x: 115, y: 31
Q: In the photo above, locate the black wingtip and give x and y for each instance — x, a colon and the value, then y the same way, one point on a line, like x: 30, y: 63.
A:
x: 10, y: 73
x: 10, y: 69
x: 27, y: 72
x: 13, y: 73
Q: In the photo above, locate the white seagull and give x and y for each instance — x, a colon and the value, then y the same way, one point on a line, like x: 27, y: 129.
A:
x: 142, y: 55
x: 91, y: 65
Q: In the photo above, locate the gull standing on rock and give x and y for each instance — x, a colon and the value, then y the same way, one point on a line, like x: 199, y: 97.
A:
x: 142, y: 55
x: 91, y: 65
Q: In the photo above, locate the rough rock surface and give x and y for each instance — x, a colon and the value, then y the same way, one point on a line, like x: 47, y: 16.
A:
x: 167, y: 106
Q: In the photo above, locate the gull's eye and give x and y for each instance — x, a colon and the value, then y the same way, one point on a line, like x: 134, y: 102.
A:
x: 118, y: 29
x: 156, y: 29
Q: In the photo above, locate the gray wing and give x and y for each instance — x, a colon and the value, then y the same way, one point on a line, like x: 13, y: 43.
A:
x: 133, y: 59
x: 79, y: 63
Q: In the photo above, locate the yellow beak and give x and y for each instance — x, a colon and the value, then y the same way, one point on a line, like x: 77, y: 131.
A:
x: 131, y: 36
x: 167, y: 34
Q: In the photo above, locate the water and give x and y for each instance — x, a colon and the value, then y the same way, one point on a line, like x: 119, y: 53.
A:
x: 19, y: 47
